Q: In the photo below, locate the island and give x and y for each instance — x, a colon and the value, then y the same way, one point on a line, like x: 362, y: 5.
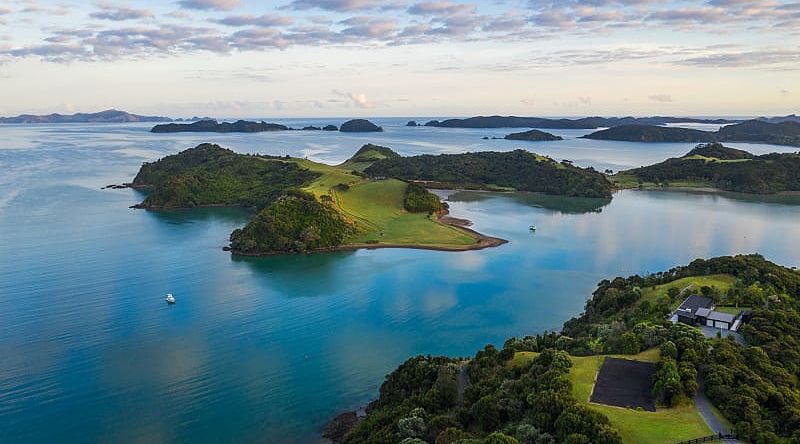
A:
x: 714, y: 165
x: 532, y: 136
x: 212, y: 126
x: 625, y: 371
x: 360, y: 126
x: 751, y: 131
x: 517, y: 170
x: 366, y: 202
x: 412, y: 123
x: 311, y: 128
x: 330, y: 128
x: 107, y: 116
x: 582, y: 123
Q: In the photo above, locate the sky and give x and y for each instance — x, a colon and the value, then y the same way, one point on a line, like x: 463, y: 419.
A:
x: 292, y: 58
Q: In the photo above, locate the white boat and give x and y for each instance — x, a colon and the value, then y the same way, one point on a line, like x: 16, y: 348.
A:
x: 170, y: 299
x: 532, y: 228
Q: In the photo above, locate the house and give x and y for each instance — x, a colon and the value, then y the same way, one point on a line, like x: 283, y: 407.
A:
x: 699, y: 310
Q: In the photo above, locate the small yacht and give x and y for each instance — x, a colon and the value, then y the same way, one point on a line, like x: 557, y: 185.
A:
x: 532, y: 228
x: 170, y: 299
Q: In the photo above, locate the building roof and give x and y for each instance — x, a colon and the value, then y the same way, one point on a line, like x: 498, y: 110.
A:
x: 694, y: 302
x: 703, y: 312
x: 722, y: 317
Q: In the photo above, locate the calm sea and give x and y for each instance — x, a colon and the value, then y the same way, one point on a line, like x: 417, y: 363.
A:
x: 266, y: 350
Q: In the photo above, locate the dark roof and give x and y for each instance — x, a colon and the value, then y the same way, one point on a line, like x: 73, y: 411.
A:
x: 693, y: 302
x: 722, y: 317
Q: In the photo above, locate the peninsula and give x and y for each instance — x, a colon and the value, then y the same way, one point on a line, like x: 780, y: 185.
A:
x: 619, y: 373
x: 107, y: 116
x: 366, y: 202
x: 752, y: 131
x: 212, y: 126
x: 717, y: 166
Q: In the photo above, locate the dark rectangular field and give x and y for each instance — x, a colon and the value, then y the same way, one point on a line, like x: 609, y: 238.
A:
x: 625, y: 383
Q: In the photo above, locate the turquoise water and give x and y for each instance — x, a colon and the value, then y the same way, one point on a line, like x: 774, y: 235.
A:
x: 268, y: 349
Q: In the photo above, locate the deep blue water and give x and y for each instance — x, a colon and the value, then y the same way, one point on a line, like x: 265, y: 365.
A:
x: 268, y: 349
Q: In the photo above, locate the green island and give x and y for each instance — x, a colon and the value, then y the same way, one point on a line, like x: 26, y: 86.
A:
x: 517, y: 170
x: 750, y: 131
x: 714, y: 165
x: 304, y: 206
x: 566, y: 387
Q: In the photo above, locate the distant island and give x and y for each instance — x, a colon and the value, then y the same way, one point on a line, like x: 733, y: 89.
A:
x: 717, y: 166
x: 359, y: 126
x: 620, y: 372
x: 517, y: 170
x: 212, y: 126
x: 752, y: 131
x: 582, y: 123
x: 107, y: 116
x: 533, y: 136
x: 305, y: 206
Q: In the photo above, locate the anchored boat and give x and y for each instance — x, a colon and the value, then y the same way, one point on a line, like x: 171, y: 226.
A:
x: 170, y: 299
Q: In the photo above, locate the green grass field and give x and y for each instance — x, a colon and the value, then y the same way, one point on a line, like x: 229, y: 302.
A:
x: 722, y: 281
x: 377, y: 209
x: 625, y: 181
x: 636, y: 427
x: 714, y: 159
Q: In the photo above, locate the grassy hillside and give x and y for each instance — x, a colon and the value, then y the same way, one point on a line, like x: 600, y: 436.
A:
x: 714, y: 165
x: 635, y: 426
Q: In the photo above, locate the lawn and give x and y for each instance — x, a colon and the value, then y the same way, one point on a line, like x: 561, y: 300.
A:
x: 663, y: 426
x: 722, y: 281
x: 730, y: 309
x: 376, y: 206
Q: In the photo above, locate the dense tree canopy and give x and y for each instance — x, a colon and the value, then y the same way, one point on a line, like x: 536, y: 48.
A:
x: 296, y: 222
x: 736, y: 170
x: 211, y: 175
x: 520, y: 170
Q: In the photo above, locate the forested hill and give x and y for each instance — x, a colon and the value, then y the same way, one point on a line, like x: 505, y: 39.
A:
x: 548, y: 123
x: 524, y: 393
x: 727, y: 169
x: 757, y: 131
x: 211, y: 175
x: 652, y: 133
x: 519, y: 170
x: 211, y: 126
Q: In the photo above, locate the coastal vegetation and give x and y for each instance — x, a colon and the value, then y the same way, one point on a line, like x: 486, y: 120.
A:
x: 211, y: 175
x: 211, y: 126
x: 516, y: 170
x: 359, y: 126
x: 303, y: 205
x: 296, y: 222
x: 752, y: 131
x: 532, y: 136
x: 721, y: 167
x: 535, y: 386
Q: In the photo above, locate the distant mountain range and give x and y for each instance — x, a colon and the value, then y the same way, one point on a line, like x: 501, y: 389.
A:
x: 582, y: 123
x: 107, y: 116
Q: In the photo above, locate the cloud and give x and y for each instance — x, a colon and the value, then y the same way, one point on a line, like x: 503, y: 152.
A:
x: 586, y: 100
x: 789, y: 58
x: 358, y: 99
x: 266, y: 20
x: 785, y: 92
x: 441, y: 8
x: 204, y: 5
x: 346, y: 5
x: 119, y: 13
x: 662, y: 98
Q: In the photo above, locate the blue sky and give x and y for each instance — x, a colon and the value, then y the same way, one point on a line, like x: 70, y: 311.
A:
x: 401, y: 57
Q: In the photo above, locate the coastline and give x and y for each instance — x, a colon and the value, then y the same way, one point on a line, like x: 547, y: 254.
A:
x: 482, y: 241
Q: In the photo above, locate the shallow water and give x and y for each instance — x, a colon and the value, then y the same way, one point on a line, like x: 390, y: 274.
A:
x: 268, y: 349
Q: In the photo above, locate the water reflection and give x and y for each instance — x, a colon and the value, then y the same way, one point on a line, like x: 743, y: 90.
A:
x: 560, y: 204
